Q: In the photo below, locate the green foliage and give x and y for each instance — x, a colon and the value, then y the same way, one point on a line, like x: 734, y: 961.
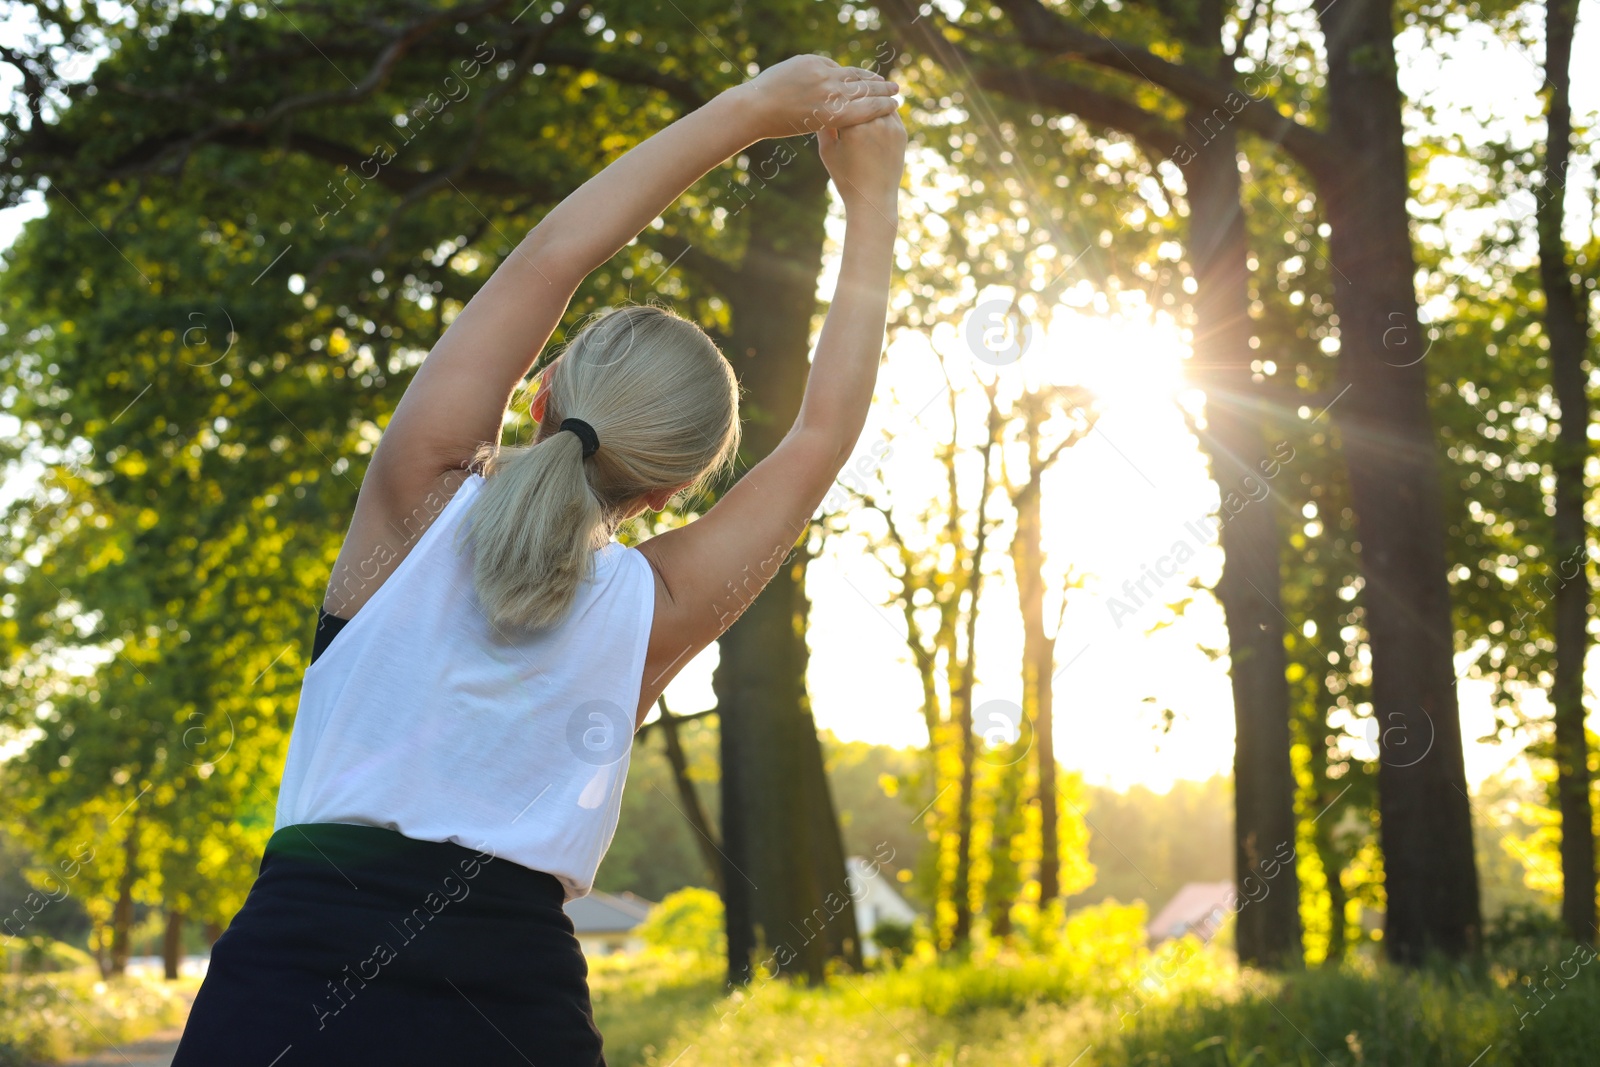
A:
x: 35, y: 899
x: 1019, y: 1011
x: 1099, y: 955
x: 895, y: 940
x: 641, y: 1000
x: 690, y: 920
x: 42, y: 955
x: 1559, y: 1025
x: 875, y: 805
x: 1341, y: 1016
x: 1151, y: 844
x: 654, y: 851
x: 50, y: 1017
x: 202, y: 348
x: 204, y: 421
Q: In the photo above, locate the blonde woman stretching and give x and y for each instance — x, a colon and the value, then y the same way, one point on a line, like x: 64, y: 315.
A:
x: 458, y: 756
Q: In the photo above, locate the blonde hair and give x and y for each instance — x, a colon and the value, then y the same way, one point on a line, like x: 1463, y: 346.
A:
x: 665, y: 405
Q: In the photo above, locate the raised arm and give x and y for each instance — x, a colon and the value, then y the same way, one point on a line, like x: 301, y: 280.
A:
x: 459, y: 395
x: 709, y: 570
x: 458, y: 398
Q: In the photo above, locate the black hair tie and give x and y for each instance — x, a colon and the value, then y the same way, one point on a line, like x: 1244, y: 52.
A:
x: 586, y: 434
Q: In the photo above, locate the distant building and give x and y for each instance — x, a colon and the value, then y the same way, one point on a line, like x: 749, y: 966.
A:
x: 1199, y: 908
x: 608, y: 922
x: 876, y: 901
x: 155, y: 966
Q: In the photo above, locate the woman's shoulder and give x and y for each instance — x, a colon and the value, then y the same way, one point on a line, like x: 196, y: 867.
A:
x: 615, y: 552
x: 621, y: 557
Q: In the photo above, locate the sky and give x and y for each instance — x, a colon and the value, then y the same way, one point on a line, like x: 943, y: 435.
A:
x: 1114, y: 504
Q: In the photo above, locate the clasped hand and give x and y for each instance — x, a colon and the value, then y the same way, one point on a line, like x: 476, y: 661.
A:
x: 809, y: 93
x: 853, y: 112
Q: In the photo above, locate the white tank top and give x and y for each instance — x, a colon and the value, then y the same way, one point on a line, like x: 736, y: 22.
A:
x: 416, y: 718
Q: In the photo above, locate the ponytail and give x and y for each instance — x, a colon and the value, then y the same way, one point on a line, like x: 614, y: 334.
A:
x: 537, y: 525
x: 665, y: 405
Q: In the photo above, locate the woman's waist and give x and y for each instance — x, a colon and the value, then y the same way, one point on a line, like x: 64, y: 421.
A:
x: 556, y: 821
x: 384, y: 868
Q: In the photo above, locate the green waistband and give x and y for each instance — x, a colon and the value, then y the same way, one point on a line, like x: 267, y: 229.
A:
x: 360, y: 843
x: 354, y: 848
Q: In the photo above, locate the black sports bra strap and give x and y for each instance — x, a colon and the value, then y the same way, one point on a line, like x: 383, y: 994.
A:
x: 328, y: 627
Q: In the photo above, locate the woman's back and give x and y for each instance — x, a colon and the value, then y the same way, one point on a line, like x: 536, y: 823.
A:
x: 420, y: 718
x: 448, y: 785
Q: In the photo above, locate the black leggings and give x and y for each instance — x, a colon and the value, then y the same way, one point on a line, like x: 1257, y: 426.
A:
x: 358, y: 945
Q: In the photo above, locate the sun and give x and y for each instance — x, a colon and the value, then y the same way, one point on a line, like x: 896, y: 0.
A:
x: 1131, y: 360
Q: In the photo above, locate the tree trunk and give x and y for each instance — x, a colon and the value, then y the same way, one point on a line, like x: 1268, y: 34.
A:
x: 1338, y: 900
x: 836, y: 926
x: 1003, y: 888
x: 693, y: 810
x: 961, y: 885
x: 1566, y: 325
x: 961, y: 699
x: 172, y: 945
x: 1425, y: 821
x: 842, y: 934
x: 102, y: 948
x: 1268, y: 930
x: 122, y: 912
x: 774, y: 840
x: 1042, y: 672
x: 738, y: 890
x: 1038, y: 649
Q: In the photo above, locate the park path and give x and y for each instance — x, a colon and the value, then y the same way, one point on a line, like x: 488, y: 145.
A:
x: 155, y: 1050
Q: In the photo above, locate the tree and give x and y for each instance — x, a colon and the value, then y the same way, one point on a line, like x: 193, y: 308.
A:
x: 693, y: 810
x: 457, y: 127
x: 937, y: 589
x: 1566, y: 318
x: 1234, y: 436
x: 657, y: 848
x: 1035, y: 407
x: 1358, y: 162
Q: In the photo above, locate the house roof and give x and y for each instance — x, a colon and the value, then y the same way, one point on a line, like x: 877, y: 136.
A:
x: 1191, y: 906
x: 876, y: 882
x: 607, y: 913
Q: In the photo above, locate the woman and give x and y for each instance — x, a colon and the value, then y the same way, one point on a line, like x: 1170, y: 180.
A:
x: 486, y: 650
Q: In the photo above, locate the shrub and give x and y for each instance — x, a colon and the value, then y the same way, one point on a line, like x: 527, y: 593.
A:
x: 49, y: 1017
x: 894, y: 940
x: 689, y: 920
x: 43, y: 955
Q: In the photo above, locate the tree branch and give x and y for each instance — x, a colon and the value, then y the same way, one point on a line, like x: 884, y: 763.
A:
x: 677, y: 718
x: 694, y: 811
x: 1158, y: 138
x: 717, y: 273
x: 1155, y: 135
x: 618, y: 67
x: 1047, y: 32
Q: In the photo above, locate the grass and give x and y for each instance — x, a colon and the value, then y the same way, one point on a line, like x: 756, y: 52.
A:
x: 1321, y: 1017
x: 1037, y: 1013
x: 1083, y: 1006
x: 46, y: 1018
x: 641, y: 1001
